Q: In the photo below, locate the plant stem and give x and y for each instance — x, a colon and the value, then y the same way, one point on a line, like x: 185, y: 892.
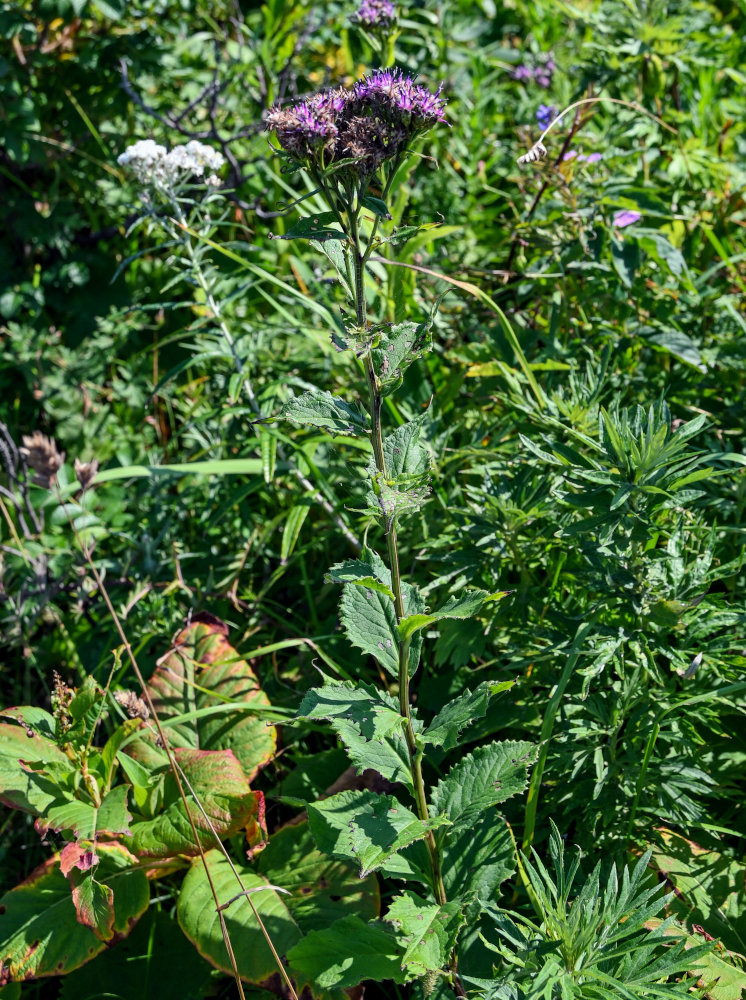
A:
x: 374, y: 400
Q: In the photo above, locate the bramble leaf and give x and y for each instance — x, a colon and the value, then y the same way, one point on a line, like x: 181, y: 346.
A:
x: 445, y: 729
x: 428, y: 931
x: 490, y: 775
x: 321, y: 409
x: 367, y: 828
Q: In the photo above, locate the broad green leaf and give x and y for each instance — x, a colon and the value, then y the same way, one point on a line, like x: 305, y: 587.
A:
x: 23, y: 756
x: 376, y: 205
x: 204, y: 674
x: 428, y: 931
x: 40, y: 934
x: 369, y: 620
x: 398, y: 346
x: 156, y: 962
x: 477, y: 859
x: 445, y: 729
x: 321, y: 889
x: 366, y: 828
x: 222, y: 788
x: 321, y: 409
x: 367, y: 721
x: 84, y: 820
x: 467, y: 605
x: 31, y: 718
x: 347, y: 953
x: 722, y: 979
x: 402, y: 451
x: 320, y: 227
x: 490, y: 775
x: 201, y: 924
x: 358, y: 572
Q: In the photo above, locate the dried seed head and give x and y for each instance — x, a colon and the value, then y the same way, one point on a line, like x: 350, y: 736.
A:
x: 85, y: 472
x: 43, y: 457
x: 537, y: 152
x: 133, y: 705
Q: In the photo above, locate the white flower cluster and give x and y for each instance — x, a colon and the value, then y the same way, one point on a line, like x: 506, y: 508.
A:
x: 154, y: 164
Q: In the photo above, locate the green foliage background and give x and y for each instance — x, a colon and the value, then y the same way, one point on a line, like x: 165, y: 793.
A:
x: 606, y: 494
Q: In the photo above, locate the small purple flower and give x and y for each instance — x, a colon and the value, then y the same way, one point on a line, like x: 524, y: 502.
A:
x: 374, y: 14
x: 571, y: 154
x: 594, y: 157
x: 523, y: 72
x: 539, y: 68
x: 545, y: 115
x: 626, y: 218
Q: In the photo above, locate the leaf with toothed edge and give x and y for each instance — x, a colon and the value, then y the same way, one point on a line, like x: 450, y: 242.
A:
x: 367, y: 721
x: 446, y: 728
x: 427, y: 930
x: 347, y: 953
x: 398, y: 347
x: 318, y: 408
x: 466, y: 605
x: 362, y: 574
x: 490, y: 775
x: 369, y: 620
x: 367, y: 828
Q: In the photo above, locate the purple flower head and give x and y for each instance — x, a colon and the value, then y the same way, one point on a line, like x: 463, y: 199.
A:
x: 375, y: 14
x: 539, y: 68
x: 594, y: 157
x: 626, y: 218
x: 397, y: 97
x: 523, y: 72
x: 545, y: 115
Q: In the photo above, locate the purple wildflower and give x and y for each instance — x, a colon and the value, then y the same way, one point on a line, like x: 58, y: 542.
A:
x: 626, y: 218
x: 523, y: 72
x: 370, y: 124
x: 594, y: 157
x: 539, y: 68
x: 375, y: 14
x: 545, y: 115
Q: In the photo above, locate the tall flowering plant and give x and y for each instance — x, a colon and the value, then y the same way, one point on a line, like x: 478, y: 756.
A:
x: 351, y: 142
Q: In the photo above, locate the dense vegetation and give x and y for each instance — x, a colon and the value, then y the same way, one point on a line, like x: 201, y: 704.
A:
x: 517, y: 771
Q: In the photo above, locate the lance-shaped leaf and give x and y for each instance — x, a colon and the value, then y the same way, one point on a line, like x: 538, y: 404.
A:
x: 466, y: 605
x: 348, y: 952
x: 209, y: 698
x: 218, y: 781
x: 321, y: 227
x: 367, y: 721
x: 40, y: 933
x: 398, y: 346
x: 427, y: 931
x: 318, y: 408
x: 361, y: 573
x: 367, y: 828
x: 445, y: 729
x: 201, y: 923
x: 490, y: 775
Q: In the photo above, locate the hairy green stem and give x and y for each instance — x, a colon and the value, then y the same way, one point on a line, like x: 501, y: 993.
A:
x: 374, y: 400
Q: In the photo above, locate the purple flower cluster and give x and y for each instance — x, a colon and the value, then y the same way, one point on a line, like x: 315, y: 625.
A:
x: 545, y: 115
x: 375, y: 14
x: 539, y: 68
x: 572, y: 154
x: 371, y: 123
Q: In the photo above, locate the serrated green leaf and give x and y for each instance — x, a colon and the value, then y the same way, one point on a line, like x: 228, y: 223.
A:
x: 320, y: 227
x: 366, y: 828
x: 402, y: 451
x: 363, y: 574
x: 490, y: 775
x: 477, y: 859
x: 369, y: 620
x: 367, y: 721
x: 399, y: 346
x: 428, y: 931
x: 321, y: 409
x: 348, y: 952
x: 467, y: 605
x: 445, y: 729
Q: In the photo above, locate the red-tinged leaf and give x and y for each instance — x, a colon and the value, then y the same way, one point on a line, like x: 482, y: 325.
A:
x: 40, y: 933
x: 93, y: 902
x: 203, y: 678
x: 23, y: 756
x: 85, y: 820
x: 76, y: 855
x: 219, y: 782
